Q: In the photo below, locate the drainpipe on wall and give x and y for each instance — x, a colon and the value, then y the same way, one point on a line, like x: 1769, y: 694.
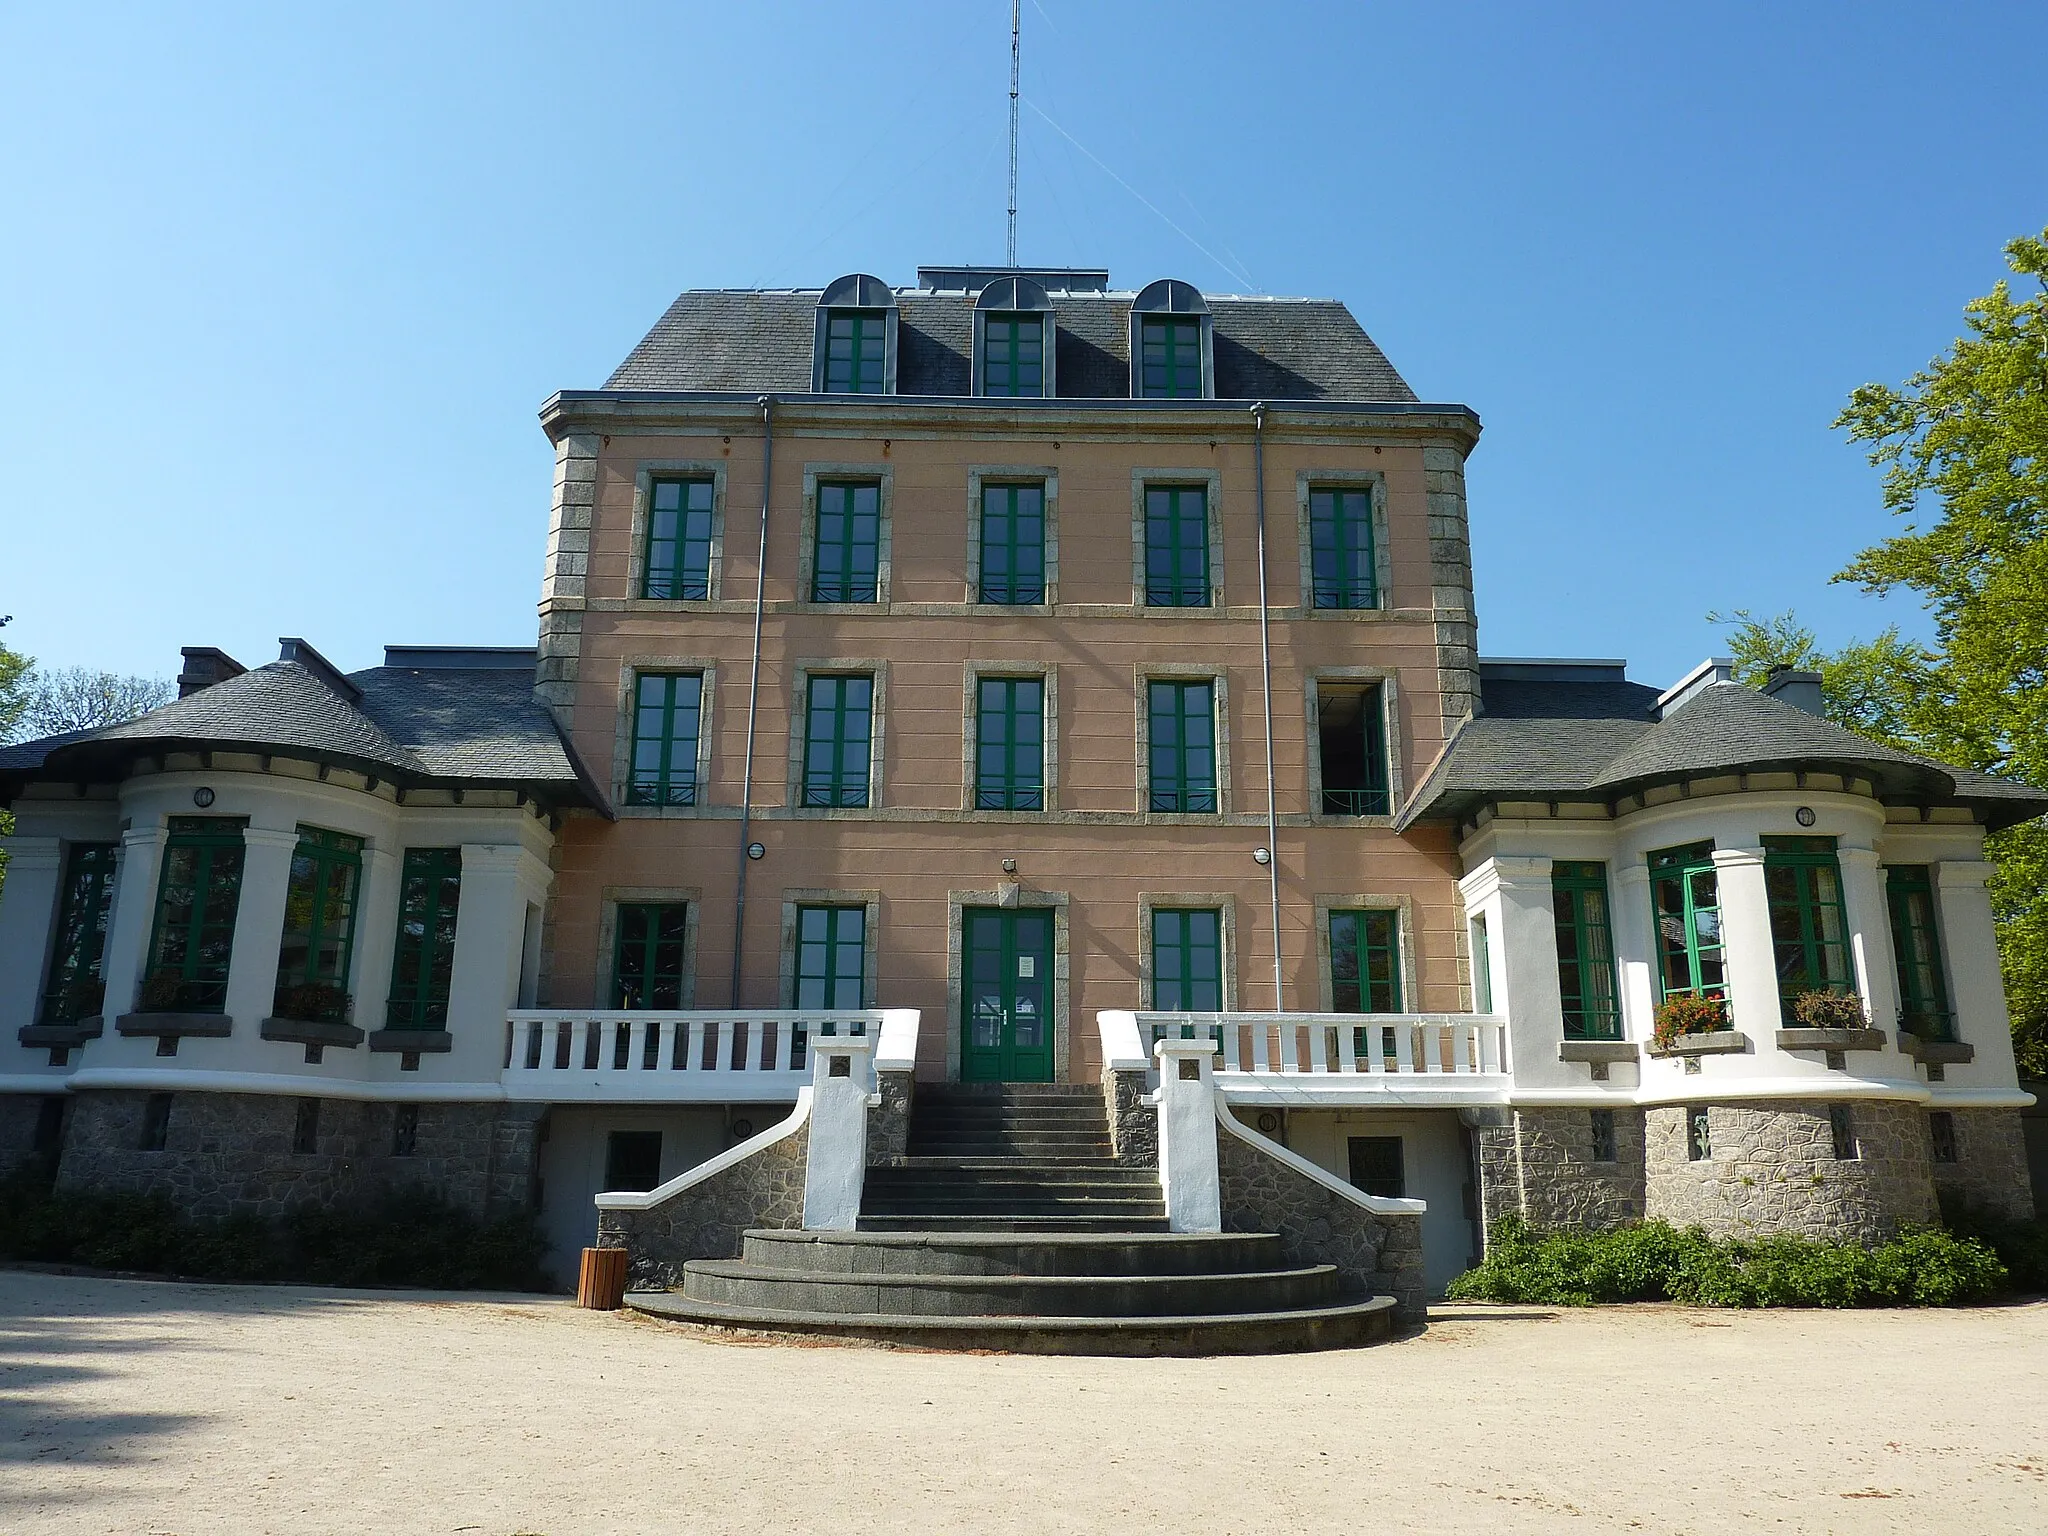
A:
x: 1266, y: 677
x: 739, y: 900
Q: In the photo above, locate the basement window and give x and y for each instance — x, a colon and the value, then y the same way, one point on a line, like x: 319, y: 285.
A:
x: 1842, y: 1126
x: 1699, y: 1141
x: 1376, y: 1166
x: 1603, y: 1136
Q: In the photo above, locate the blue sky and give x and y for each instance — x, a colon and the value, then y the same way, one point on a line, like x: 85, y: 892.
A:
x: 284, y: 286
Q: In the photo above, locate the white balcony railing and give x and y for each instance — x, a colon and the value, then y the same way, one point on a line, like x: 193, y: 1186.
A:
x: 1452, y: 1057
x: 698, y: 1056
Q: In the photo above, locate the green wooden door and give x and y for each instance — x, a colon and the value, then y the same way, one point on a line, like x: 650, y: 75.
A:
x: 1006, y: 1004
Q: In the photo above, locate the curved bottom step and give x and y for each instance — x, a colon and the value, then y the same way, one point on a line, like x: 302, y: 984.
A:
x: 1345, y: 1326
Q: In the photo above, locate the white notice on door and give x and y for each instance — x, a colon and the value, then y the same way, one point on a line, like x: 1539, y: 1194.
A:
x: 1027, y: 966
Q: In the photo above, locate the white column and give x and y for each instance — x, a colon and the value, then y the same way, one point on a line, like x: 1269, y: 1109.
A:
x: 835, y: 1162
x: 369, y: 973
x: 28, y: 911
x: 1522, y: 929
x: 141, y: 860
x: 259, y: 924
x: 1976, y: 990
x: 1634, y: 932
x: 1868, y: 917
x: 490, y: 922
x: 1188, y: 1175
x: 1746, y: 945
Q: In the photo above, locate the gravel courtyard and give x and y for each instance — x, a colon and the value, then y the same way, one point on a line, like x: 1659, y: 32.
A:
x: 130, y: 1406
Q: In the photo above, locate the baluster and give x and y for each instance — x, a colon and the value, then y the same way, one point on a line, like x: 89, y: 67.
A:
x: 1346, y: 1036
x: 1318, y: 1048
x: 1262, y: 1047
x: 1461, y: 1049
x: 1233, y: 1048
x: 1290, y: 1047
x: 713, y: 1030
x: 1404, y: 1048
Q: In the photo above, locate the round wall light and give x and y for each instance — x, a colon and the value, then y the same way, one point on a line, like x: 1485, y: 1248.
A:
x: 757, y: 851
x: 1804, y: 816
x: 202, y: 797
x: 1268, y: 1123
x: 1262, y: 856
x: 1009, y: 866
x: 742, y: 1129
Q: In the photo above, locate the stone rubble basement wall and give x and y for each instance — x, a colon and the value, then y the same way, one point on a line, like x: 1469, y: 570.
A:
x: 1540, y: 1166
x: 1990, y: 1170
x: 707, y: 1220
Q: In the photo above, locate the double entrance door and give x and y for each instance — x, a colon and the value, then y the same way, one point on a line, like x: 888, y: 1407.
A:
x: 1006, y: 995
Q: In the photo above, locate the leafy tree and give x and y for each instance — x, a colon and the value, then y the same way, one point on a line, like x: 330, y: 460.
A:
x: 76, y: 699
x: 16, y: 672
x: 1887, y: 688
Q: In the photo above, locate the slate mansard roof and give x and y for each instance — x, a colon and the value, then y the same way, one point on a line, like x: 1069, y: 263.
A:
x: 1551, y: 738
x: 415, y: 726
x: 756, y: 341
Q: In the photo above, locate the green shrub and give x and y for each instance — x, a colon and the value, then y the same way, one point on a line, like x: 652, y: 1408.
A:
x: 2021, y: 1246
x: 1654, y: 1261
x: 407, y: 1237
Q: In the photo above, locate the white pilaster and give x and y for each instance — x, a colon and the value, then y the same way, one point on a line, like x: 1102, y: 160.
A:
x: 1188, y: 1174
x: 259, y: 924
x: 835, y: 1164
x: 369, y: 974
x: 1515, y: 891
x: 1635, y: 951
x: 490, y: 922
x: 1746, y: 939
x: 1976, y: 990
x: 140, y: 861
x: 28, y: 913
x: 1868, y: 917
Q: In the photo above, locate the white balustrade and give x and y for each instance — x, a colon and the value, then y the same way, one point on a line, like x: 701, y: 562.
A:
x: 699, y: 1056
x: 1343, y: 1057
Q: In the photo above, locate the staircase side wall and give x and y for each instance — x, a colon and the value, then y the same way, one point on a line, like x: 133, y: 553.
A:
x: 708, y: 1220
x: 1133, y: 1123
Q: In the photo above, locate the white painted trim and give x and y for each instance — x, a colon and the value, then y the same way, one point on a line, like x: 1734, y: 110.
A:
x: 172, y: 1080
x: 647, y: 1200
x: 1123, y: 1050
x: 1379, y: 1205
x: 896, y: 1041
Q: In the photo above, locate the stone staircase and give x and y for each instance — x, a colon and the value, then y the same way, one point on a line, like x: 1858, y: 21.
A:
x: 1010, y: 1226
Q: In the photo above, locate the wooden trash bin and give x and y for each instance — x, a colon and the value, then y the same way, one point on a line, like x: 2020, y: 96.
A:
x: 601, y: 1284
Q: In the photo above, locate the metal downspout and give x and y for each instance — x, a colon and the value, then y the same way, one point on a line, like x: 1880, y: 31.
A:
x: 739, y: 913
x: 1266, y: 676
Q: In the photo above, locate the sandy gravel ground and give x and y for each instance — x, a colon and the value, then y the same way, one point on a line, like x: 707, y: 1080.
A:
x: 129, y: 1406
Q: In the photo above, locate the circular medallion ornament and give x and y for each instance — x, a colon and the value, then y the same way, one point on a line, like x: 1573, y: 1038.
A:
x: 756, y: 850
x: 1804, y: 816
x: 202, y: 797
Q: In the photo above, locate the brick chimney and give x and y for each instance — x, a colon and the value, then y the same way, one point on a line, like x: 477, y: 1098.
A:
x: 205, y: 665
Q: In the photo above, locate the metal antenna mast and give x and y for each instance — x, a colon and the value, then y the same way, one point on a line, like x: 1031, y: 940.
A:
x: 1013, y: 132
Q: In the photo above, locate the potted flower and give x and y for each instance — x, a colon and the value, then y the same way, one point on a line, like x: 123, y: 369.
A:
x: 1688, y: 1013
x: 1819, y: 1008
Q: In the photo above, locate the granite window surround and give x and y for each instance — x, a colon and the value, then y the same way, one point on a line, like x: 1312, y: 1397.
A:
x: 1403, y: 908
x: 871, y: 927
x: 1151, y: 901
x: 1017, y: 896
x: 1219, y: 688
x: 881, y: 475
x: 1210, y: 482
x: 980, y: 476
x: 801, y: 673
x: 1390, y: 706
x: 645, y: 473
x: 1373, y: 480
x: 630, y: 670
x: 972, y: 673
x: 615, y: 896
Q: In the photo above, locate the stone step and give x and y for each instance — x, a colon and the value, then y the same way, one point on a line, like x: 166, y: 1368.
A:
x: 1014, y: 1253
x: 1028, y: 1147
x: 735, y: 1282
x: 1087, y: 1122
x: 1341, y: 1326
x: 920, y: 1168
x: 982, y: 1093
x: 981, y: 1221
x: 1022, y: 1200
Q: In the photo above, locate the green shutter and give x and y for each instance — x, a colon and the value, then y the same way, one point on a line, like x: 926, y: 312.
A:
x: 314, y: 953
x: 73, y: 988
x: 429, y: 893
x: 1009, y: 747
x: 1365, y: 961
x: 1685, y: 895
x: 1809, y: 936
x: 678, y: 539
x: 1916, y: 943
x: 647, y: 959
x: 1341, y: 553
x: 667, y: 715
x: 193, y: 938
x: 838, y: 737
x: 1176, y: 546
x: 847, y: 558
x: 1013, y: 544
x: 831, y: 957
x: 1585, y: 951
x: 1181, y: 725
x: 1187, y: 960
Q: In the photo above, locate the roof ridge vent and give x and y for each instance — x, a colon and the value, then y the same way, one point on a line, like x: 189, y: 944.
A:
x: 291, y: 648
x: 1714, y: 672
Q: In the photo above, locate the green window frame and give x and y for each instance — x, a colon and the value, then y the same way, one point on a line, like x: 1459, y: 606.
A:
x: 192, y: 941
x: 73, y: 988
x: 318, y: 943
x: 1343, y: 571
x: 1187, y: 959
x: 1809, y: 929
x: 1013, y: 544
x: 1009, y: 744
x: 856, y: 351
x: 1365, y: 960
x: 846, y: 558
x: 831, y: 957
x: 423, y: 964
x: 1170, y: 358
x: 1586, y: 980
x: 1013, y: 355
x: 649, y: 955
x: 678, y: 538
x: 1916, y: 945
x: 1685, y: 901
x: 1176, y: 546
x: 1181, y: 747
x: 1352, y: 752
x: 839, y: 718
x: 667, y: 717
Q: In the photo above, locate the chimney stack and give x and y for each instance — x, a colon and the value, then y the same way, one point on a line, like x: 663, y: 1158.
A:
x: 204, y: 666
x: 1799, y: 689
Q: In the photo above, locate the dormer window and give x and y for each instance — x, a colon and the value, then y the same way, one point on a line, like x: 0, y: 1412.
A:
x: 854, y: 352
x: 1014, y: 333
x: 1172, y: 348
